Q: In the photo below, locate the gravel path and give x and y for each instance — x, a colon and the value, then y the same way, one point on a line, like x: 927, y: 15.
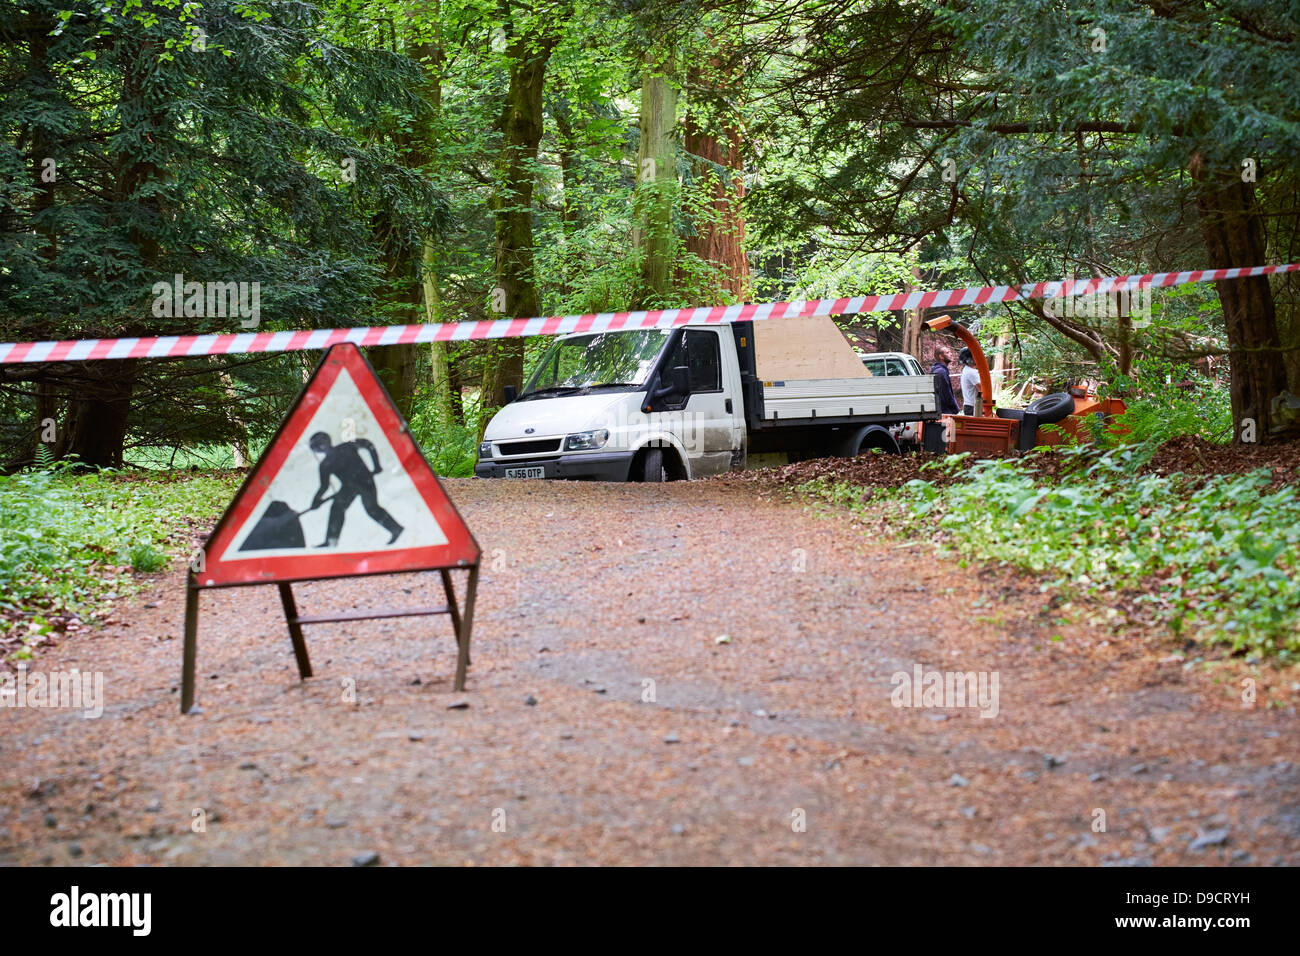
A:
x: 778, y: 744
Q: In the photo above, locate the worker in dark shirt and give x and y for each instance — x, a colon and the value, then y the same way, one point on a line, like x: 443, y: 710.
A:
x: 947, y: 400
x: 356, y: 481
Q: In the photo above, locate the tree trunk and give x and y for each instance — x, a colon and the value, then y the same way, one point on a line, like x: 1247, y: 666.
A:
x: 409, y: 268
x: 98, y: 411
x: 515, y: 293
x: 656, y: 175
x: 47, y: 410
x: 431, y: 57
x: 239, y: 447
x: 396, y: 364
x: 1124, y: 327
x: 456, y: 383
x: 567, y: 139
x: 720, y: 237
x: 439, y: 368
x: 1233, y: 232
x: 1001, y: 361
x: 396, y: 367
x: 571, y: 216
x: 915, y: 320
x: 99, y: 401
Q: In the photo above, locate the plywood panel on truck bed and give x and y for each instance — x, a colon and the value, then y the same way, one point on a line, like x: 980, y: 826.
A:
x: 804, y: 348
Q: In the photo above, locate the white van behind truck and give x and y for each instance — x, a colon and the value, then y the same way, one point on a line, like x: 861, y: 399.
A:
x: 897, y: 363
x: 675, y: 403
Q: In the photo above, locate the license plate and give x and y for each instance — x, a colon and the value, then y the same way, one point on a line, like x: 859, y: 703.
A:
x: 526, y: 472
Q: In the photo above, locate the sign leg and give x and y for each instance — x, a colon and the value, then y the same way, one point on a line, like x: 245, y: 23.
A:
x: 452, y: 608
x: 191, y: 646
x: 295, y: 630
x: 466, y: 623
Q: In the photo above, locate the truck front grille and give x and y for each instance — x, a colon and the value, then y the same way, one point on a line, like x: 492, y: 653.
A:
x: 536, y: 447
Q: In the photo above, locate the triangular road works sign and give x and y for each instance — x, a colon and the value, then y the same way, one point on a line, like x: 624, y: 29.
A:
x: 341, y: 490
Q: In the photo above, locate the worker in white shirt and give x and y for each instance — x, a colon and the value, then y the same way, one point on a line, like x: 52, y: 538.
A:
x: 972, y: 401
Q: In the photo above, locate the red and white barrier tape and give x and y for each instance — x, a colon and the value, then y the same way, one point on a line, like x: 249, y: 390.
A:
x: 181, y: 346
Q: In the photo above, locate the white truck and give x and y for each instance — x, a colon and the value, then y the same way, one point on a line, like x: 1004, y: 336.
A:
x: 667, y: 404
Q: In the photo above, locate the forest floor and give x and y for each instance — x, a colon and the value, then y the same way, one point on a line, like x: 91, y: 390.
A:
x: 1186, y: 454
x: 688, y: 673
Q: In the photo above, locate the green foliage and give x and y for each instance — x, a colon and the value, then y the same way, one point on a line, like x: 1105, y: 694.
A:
x: 1068, y: 151
x: 1165, y: 400
x: 1217, y: 560
x: 451, y: 448
x: 1203, y: 409
x: 146, y: 559
x: 69, y: 543
x: 342, y: 152
x: 131, y: 154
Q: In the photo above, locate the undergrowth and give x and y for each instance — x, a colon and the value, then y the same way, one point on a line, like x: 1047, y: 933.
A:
x: 1217, y: 560
x: 70, y: 543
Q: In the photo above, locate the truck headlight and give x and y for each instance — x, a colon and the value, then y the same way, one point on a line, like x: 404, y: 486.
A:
x: 586, y: 441
x: 485, y: 450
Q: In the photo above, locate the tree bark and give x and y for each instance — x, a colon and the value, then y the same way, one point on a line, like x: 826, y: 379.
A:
x: 719, y: 238
x: 99, y: 410
x: 1124, y: 327
x: 99, y: 393
x: 915, y: 320
x: 567, y: 139
x: 396, y: 364
x: 431, y: 56
x: 439, y: 360
x: 1233, y: 231
x: 412, y: 271
x: 515, y: 293
x: 656, y: 175
x: 569, y: 175
x: 1001, y: 362
x: 456, y: 383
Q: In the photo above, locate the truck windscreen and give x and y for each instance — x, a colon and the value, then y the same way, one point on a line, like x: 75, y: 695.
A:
x: 607, y: 359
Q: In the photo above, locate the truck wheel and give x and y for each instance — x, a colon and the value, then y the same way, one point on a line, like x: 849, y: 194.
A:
x: 1052, y: 408
x: 876, y: 439
x: 652, y: 465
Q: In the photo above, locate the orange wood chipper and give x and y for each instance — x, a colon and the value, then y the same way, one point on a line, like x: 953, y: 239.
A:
x: 999, y: 431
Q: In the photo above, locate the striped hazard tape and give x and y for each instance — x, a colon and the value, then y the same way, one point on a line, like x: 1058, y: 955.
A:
x: 182, y: 346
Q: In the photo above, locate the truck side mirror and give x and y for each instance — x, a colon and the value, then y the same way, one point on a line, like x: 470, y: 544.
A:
x: 674, y: 383
x: 511, y: 393
x: 681, y: 380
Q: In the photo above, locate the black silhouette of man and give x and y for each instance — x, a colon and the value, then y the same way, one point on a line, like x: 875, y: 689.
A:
x: 356, y: 481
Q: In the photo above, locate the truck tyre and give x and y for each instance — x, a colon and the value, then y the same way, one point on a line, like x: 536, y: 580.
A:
x: 1052, y: 408
x: 863, y: 441
x: 652, y: 465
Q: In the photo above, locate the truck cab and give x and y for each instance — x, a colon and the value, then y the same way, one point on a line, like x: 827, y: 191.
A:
x: 642, y: 404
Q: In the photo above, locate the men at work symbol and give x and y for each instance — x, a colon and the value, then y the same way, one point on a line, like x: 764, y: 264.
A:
x: 279, y: 527
x: 355, y: 481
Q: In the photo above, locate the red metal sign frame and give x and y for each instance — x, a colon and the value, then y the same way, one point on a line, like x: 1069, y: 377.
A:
x: 460, y: 552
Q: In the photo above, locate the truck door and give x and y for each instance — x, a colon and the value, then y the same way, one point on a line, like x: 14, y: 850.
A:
x: 706, y: 426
